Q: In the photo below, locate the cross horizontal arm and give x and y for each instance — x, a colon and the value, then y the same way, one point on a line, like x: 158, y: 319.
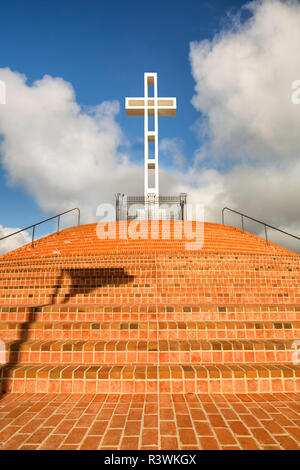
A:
x: 136, y: 106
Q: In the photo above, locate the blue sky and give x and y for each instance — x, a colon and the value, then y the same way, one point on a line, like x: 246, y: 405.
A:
x: 103, y: 48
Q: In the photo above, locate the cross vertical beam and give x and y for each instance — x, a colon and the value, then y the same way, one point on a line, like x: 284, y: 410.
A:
x: 151, y: 105
x: 151, y: 161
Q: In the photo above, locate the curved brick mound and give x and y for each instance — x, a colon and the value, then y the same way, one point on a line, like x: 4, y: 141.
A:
x: 129, y: 317
x: 147, y: 237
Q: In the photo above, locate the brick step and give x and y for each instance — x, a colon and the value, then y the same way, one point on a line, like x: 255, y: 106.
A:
x: 197, y: 265
x: 177, y: 257
x: 191, y: 266
x: 184, y: 257
x: 92, y: 316
x: 154, y: 312
x: 179, y: 263
x: 164, y: 273
x: 170, y: 296
x: 223, y: 298
x: 104, y: 287
x: 133, y: 281
x: 105, y: 247
x: 149, y: 352
x: 163, y: 247
x: 183, y: 330
x: 113, y: 297
x: 130, y: 283
x: 177, y: 296
x: 179, y: 260
x: 261, y: 378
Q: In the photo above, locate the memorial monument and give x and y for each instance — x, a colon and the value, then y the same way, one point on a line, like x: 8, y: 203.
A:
x: 151, y: 205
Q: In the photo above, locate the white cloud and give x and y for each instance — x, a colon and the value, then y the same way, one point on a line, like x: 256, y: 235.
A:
x: 249, y: 125
x: 172, y: 150
x: 244, y: 85
x: 64, y: 156
x: 14, y: 242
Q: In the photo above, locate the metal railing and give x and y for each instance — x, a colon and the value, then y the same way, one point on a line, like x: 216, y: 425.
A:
x: 58, y: 216
x: 258, y: 221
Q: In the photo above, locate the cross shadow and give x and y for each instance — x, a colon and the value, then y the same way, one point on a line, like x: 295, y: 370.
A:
x: 14, y: 349
x: 82, y: 281
x: 79, y: 281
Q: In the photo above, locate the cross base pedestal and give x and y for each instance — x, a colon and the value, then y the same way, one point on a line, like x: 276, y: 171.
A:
x: 151, y: 207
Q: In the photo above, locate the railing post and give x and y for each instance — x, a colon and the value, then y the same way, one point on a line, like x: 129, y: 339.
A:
x: 266, y: 233
x: 243, y: 223
x: 58, y: 222
x: 32, y: 241
x: 78, y: 216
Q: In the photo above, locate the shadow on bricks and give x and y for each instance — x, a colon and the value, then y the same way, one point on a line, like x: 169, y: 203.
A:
x: 70, y: 283
x: 6, y: 371
x: 84, y: 281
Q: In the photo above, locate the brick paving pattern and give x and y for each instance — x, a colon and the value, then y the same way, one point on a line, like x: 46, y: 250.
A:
x: 165, y: 421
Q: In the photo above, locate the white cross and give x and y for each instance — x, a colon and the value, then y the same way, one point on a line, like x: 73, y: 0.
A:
x: 151, y: 106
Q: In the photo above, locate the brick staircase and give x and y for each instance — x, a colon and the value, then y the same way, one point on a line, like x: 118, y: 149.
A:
x: 146, y: 316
